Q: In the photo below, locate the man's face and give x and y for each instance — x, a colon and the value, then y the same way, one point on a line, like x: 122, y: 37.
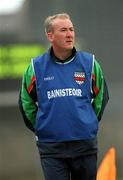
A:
x: 62, y: 35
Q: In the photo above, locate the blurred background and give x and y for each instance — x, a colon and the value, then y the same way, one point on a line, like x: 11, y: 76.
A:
x: 99, y: 29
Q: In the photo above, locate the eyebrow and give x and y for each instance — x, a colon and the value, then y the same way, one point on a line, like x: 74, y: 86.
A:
x: 67, y: 28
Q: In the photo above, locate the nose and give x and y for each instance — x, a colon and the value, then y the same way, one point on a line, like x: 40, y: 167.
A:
x: 69, y: 33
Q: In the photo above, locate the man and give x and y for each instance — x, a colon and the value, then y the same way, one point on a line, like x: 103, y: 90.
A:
x: 62, y: 99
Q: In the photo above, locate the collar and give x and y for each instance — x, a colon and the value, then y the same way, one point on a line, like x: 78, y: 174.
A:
x: 57, y: 60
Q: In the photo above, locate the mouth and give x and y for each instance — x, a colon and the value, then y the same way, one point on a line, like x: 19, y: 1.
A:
x: 70, y: 41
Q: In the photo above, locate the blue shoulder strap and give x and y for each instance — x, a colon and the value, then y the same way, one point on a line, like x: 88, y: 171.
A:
x: 87, y: 59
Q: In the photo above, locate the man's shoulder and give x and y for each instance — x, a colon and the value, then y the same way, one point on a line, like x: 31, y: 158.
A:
x: 85, y: 54
x: 85, y: 57
x: 42, y: 59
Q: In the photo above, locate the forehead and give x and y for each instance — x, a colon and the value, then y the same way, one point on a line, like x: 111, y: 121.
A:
x: 62, y: 22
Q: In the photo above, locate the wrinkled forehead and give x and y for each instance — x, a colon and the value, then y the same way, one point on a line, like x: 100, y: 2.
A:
x: 61, y: 22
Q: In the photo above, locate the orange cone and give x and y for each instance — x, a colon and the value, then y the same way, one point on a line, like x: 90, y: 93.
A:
x: 107, y: 168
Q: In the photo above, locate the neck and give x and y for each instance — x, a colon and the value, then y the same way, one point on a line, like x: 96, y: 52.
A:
x: 62, y: 54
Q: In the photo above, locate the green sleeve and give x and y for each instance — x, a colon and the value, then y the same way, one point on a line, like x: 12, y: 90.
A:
x: 100, y: 90
x: 27, y: 103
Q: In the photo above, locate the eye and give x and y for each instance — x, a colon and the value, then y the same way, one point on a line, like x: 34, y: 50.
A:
x: 71, y: 29
x: 63, y: 29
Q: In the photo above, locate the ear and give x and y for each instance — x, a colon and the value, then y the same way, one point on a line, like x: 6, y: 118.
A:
x: 50, y: 36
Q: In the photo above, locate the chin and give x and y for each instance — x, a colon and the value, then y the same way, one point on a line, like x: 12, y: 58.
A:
x: 69, y: 47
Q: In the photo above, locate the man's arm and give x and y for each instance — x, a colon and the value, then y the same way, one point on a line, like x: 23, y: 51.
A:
x: 99, y: 90
x: 28, y: 98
